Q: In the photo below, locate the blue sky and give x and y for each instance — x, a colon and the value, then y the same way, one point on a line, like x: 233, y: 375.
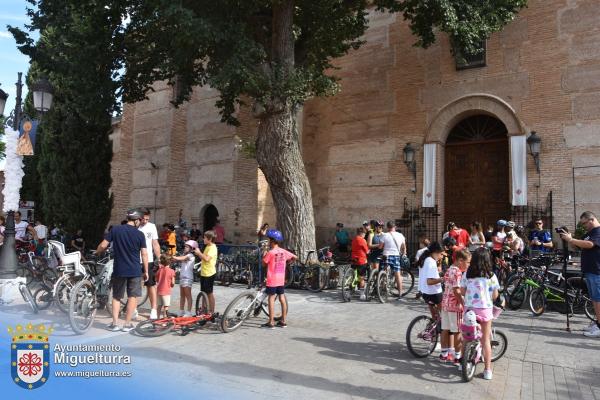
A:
x: 12, y: 12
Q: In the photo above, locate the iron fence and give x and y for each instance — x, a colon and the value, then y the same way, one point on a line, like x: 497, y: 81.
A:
x: 416, y: 222
x: 525, y: 215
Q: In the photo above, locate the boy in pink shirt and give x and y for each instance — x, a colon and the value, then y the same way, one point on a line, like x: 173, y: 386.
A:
x: 165, y: 280
x: 276, y: 260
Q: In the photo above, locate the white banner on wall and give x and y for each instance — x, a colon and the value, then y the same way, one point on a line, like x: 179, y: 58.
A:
x: 429, y: 175
x: 518, y: 160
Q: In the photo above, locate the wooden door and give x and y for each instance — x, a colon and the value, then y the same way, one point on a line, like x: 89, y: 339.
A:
x: 476, y: 182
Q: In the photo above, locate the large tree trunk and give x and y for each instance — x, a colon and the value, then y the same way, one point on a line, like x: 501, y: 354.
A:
x: 279, y: 157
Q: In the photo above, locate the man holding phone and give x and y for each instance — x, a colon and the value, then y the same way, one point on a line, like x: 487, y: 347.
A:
x: 539, y: 238
x: 590, y: 262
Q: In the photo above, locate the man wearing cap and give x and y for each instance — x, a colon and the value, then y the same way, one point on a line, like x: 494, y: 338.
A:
x: 128, y: 245
x: 153, y: 248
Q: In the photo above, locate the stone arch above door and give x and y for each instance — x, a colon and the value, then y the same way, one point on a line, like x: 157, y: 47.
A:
x: 466, y: 106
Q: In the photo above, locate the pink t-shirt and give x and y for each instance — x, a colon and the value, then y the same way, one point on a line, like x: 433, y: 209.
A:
x: 275, y: 260
x: 164, y: 277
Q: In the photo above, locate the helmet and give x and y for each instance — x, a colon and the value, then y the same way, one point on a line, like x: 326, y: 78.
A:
x: 134, y: 214
x: 470, y: 319
x: 365, y: 223
x: 379, y: 223
x: 510, y: 224
x: 501, y: 222
x: 275, y: 235
x: 171, y: 227
x: 449, y: 242
x: 192, y: 243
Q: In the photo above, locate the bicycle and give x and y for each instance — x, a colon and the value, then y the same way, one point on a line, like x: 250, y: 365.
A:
x: 244, y: 306
x: 36, y: 269
x: 422, y: 335
x: 162, y: 326
x: 408, y: 280
x: 519, y: 286
x: 473, y: 351
x: 351, y: 281
x: 553, y: 293
x: 305, y: 275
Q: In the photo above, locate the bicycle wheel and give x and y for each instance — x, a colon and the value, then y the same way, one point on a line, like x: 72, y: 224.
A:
x: 155, y: 327
x: 348, y: 287
x: 49, y: 277
x: 289, y: 275
x: 63, y: 292
x: 408, y: 281
x: 516, y: 293
x: 237, y: 312
x: 537, y: 301
x: 314, y: 278
x: 264, y: 306
x: 333, y: 277
x: 43, y: 297
x: 141, y: 300
x: 24, y: 272
x: 468, y: 361
x: 224, y: 274
x: 422, y: 336
x: 82, y: 306
x: 382, y: 287
x: 588, y: 308
x: 201, y: 303
x: 499, y: 344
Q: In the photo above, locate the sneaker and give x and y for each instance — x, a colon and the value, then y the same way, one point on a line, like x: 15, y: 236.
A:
x: 450, y: 358
x: 153, y: 314
x: 180, y: 313
x: 277, y: 319
x: 281, y: 324
x: 363, y: 297
x: 593, y: 332
x: 128, y: 328
x: 487, y: 374
x: 444, y: 357
x: 188, y: 314
x: 458, y: 363
x: 268, y: 326
x: 135, y: 314
x: 590, y: 327
x: 113, y: 328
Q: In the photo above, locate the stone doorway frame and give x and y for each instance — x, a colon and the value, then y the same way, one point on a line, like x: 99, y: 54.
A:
x: 449, y: 115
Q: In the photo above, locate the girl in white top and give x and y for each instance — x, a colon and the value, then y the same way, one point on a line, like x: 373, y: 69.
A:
x: 186, y: 277
x: 430, y: 282
x: 477, y: 236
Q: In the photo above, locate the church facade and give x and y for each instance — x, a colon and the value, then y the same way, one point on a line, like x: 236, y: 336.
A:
x: 468, y: 122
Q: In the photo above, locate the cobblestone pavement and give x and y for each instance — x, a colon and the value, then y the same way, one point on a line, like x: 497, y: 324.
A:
x: 357, y: 350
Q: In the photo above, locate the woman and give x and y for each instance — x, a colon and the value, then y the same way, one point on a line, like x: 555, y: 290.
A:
x: 477, y: 236
x: 499, y: 236
x: 479, y: 287
x: 375, y: 243
x: 515, y: 243
x: 262, y: 232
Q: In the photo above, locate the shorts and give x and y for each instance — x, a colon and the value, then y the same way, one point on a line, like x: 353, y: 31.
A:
x: 432, y: 299
x: 593, y: 284
x: 273, y: 290
x: 451, y: 321
x: 207, y: 283
x: 394, y: 263
x: 374, y: 257
x: 118, y: 284
x: 483, y: 314
x: 186, y: 282
x: 164, y: 300
x: 151, y: 274
x: 362, y: 269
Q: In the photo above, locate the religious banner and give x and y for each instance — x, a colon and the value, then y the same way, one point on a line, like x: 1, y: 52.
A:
x: 429, y: 175
x: 27, y: 133
x: 518, y: 160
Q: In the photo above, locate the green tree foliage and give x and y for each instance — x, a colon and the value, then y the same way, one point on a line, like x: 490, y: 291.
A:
x: 274, y: 54
x: 75, y: 150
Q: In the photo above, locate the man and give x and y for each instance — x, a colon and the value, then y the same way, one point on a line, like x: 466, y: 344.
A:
x: 394, y: 245
x: 590, y: 263
x: 128, y: 244
x: 341, y: 238
x: 462, y: 237
x: 195, y: 232
x: 539, y: 238
x: 21, y: 230
x: 42, y: 232
x: 153, y: 248
x: 220, y: 232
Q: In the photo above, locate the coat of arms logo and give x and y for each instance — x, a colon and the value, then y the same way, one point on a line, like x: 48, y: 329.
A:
x: 30, y: 355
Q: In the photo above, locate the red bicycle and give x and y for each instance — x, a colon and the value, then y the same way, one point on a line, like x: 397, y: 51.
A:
x: 162, y: 326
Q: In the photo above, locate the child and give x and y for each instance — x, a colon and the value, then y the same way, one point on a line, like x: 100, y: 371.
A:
x: 172, y: 241
x: 186, y: 277
x: 479, y: 287
x: 430, y: 283
x: 165, y: 280
x: 276, y: 259
x: 208, y: 268
x: 360, y: 249
x: 452, y: 308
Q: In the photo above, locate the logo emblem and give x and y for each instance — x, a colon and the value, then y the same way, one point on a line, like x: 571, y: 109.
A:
x: 30, y: 355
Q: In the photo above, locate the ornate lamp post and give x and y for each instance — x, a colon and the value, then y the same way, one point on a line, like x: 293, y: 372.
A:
x: 535, y: 142
x: 42, y: 98
x: 409, y: 161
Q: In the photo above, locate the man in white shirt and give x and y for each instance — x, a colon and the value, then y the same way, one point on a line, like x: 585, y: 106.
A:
x: 151, y: 236
x: 394, y: 246
x: 42, y: 232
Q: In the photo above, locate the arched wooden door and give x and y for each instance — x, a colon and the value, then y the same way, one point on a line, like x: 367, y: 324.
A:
x: 476, y: 173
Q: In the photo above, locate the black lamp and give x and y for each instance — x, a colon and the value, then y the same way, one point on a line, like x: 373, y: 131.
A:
x: 534, y: 142
x: 3, y: 97
x: 409, y: 158
x: 42, y: 95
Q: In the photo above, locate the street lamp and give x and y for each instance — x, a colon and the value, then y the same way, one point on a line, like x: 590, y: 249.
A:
x: 534, y: 142
x: 42, y: 98
x: 409, y: 158
x: 3, y: 97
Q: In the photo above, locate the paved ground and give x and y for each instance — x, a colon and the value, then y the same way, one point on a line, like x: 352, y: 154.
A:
x: 356, y: 350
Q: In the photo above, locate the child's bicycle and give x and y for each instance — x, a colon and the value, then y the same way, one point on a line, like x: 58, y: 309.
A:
x: 422, y: 335
x: 473, y: 351
x: 162, y: 326
x: 246, y: 305
x: 376, y: 284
